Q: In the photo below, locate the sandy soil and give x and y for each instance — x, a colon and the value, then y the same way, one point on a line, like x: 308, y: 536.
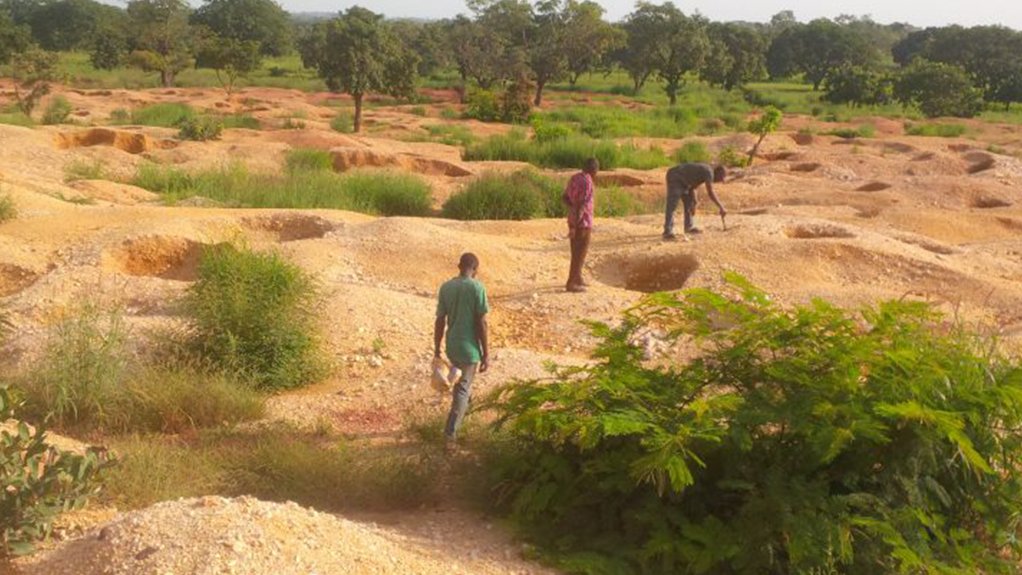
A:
x: 850, y: 221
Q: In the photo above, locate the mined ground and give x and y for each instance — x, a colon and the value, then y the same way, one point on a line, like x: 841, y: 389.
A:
x: 851, y: 221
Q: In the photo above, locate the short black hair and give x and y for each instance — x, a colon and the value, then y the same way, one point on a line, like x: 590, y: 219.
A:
x: 592, y: 165
x: 719, y: 173
x: 468, y: 261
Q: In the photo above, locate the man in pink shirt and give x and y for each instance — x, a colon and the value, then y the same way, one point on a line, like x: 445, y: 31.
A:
x: 579, y: 198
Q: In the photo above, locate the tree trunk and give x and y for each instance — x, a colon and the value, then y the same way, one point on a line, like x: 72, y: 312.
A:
x: 167, y: 78
x: 358, y: 113
x: 538, y: 101
x: 755, y: 149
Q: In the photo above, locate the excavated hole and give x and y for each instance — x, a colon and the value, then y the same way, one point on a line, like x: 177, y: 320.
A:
x: 924, y: 157
x: 806, y: 167
x: 130, y: 142
x: 987, y: 202
x: 290, y: 227
x: 165, y: 257
x: 981, y: 165
x: 15, y: 279
x: 1011, y: 224
x: 873, y: 187
x: 816, y: 231
x: 648, y: 273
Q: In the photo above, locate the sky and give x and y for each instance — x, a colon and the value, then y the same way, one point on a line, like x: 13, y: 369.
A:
x: 916, y: 12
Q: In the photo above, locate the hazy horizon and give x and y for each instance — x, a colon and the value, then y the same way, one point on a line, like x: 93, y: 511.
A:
x: 933, y: 13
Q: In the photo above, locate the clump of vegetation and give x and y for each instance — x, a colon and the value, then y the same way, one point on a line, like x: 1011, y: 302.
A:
x: 293, y: 123
x: 768, y: 122
x: 8, y: 211
x: 863, y: 131
x: 482, y: 105
x: 871, y: 442
x: 309, y: 159
x: 240, y: 121
x: 692, y: 152
x: 253, y: 314
x: 201, y: 128
x: 170, y: 115
x: 450, y: 134
x: 342, y: 123
x: 371, y: 191
x: 57, y: 111
x: 37, y: 481
x: 935, y: 130
x: 567, y: 152
x: 730, y: 157
x: 83, y: 170
x: 16, y: 118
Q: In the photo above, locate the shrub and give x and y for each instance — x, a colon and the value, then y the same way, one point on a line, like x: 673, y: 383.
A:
x: 569, y: 152
x: 253, y: 314
x: 343, y: 122
x: 16, y: 119
x: 803, y: 440
x: 449, y: 113
x: 57, y: 111
x: 482, y: 105
x: 390, y: 193
x: 495, y: 196
x: 308, y: 159
x: 516, y: 102
x: 614, y: 202
x: 120, y: 116
x: 418, y: 111
x: 692, y: 152
x: 201, y: 128
x: 730, y: 157
x: 240, y: 121
x: 37, y: 481
x: 543, y: 131
x: 935, y: 130
x: 7, y: 209
x: 83, y: 170
x: 938, y: 89
x: 162, y: 115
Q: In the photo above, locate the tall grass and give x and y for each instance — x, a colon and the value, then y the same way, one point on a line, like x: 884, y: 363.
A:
x: 8, y: 211
x: 84, y: 170
x: 692, y: 152
x: 935, y: 130
x: 567, y: 152
x: 167, y: 115
x: 16, y: 119
x: 253, y: 314
x: 371, y: 191
x: 308, y: 159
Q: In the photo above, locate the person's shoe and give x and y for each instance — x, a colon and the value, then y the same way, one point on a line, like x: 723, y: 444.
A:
x: 670, y: 238
x: 575, y: 288
x: 693, y: 231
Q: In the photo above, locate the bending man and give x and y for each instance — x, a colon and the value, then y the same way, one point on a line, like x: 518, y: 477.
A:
x: 682, y: 181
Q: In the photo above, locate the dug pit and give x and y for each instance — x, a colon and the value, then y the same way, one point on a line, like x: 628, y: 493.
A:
x: 290, y: 227
x: 15, y: 279
x: 873, y: 187
x: 165, y: 257
x: 806, y: 167
x: 648, y: 273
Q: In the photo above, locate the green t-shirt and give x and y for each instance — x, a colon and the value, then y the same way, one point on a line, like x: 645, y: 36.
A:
x: 461, y: 301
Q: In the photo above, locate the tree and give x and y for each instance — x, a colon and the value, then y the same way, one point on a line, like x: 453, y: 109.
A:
x: 229, y: 58
x: 108, y: 48
x: 162, y: 40
x: 589, y: 39
x: 547, y: 48
x: 737, y: 55
x: 938, y: 89
x: 815, y: 49
x: 356, y: 53
x: 679, y: 44
x: 858, y: 86
x: 641, y: 29
x: 14, y: 39
x: 766, y: 124
x: 32, y: 71
x: 261, y: 21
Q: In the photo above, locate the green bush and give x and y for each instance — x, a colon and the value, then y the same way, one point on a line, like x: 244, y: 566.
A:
x: 161, y: 115
x: 16, y: 119
x: 7, y: 209
x: 309, y: 160
x: 343, y: 122
x: 935, y: 130
x: 730, y: 157
x: 38, y: 481
x: 371, y: 191
x: 495, y: 196
x: 201, y: 128
x: 692, y: 152
x: 240, y: 121
x: 482, y: 105
x: 614, y: 202
x: 57, y: 111
x: 543, y: 131
x: 253, y: 314
x: 801, y: 440
x: 569, y: 152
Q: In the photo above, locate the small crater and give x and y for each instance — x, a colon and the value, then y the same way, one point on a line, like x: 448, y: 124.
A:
x: 806, y: 167
x: 868, y: 212
x: 924, y: 157
x: 898, y: 148
x: 130, y: 142
x: 648, y: 273
x: 817, y: 231
x: 988, y: 202
x: 873, y: 187
x: 290, y: 227
x: 15, y: 279
x: 165, y: 257
x: 931, y: 246
x: 779, y: 156
x: 1011, y: 224
x: 980, y: 163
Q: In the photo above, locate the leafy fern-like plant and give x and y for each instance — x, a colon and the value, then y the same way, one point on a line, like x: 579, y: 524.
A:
x: 804, y: 440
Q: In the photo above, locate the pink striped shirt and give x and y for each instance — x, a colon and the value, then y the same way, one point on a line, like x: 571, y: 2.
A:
x: 579, y: 197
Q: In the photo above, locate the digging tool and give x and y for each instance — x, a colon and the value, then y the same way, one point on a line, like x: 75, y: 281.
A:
x: 723, y: 221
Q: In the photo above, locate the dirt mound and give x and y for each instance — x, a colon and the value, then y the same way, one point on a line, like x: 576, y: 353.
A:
x: 114, y: 192
x: 290, y: 227
x: 165, y: 257
x: 622, y: 180
x: 15, y: 279
x: 214, y: 535
x: 647, y: 273
x: 873, y: 187
x: 130, y: 142
x: 349, y: 158
x: 817, y: 231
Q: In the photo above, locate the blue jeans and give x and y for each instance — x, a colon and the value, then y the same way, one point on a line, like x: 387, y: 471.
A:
x: 460, y: 398
x: 687, y: 197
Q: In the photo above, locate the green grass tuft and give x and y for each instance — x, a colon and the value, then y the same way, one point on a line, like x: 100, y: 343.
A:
x: 568, y: 152
x: 309, y: 160
x: 8, y: 211
x: 692, y: 152
x: 170, y: 115
x: 935, y: 130
x: 16, y: 119
x: 84, y: 170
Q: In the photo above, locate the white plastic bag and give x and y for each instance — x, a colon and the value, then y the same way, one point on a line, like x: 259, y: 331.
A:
x: 443, y: 375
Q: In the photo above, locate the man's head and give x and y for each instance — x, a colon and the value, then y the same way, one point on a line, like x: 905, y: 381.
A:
x: 591, y: 166
x: 719, y: 174
x: 468, y: 264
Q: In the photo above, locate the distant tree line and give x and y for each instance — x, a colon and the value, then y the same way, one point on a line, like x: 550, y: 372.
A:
x: 520, y: 48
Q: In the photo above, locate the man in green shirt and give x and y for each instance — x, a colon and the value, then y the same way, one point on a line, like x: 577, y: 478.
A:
x: 461, y: 310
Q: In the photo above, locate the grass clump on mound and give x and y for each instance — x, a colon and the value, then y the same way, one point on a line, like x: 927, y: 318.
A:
x: 170, y: 115
x: 304, y: 185
x: 15, y: 118
x: 935, y: 130
x: 253, y: 314
x: 88, y: 379
x: 8, y: 211
x: 308, y: 160
x: 839, y: 442
x: 569, y: 151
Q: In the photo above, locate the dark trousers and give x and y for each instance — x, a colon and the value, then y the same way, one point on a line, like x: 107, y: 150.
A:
x: 688, y: 199
x: 579, y: 250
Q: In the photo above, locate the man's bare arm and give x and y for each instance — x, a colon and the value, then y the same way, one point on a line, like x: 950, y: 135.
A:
x: 713, y: 197
x: 438, y: 334
x: 484, y: 341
